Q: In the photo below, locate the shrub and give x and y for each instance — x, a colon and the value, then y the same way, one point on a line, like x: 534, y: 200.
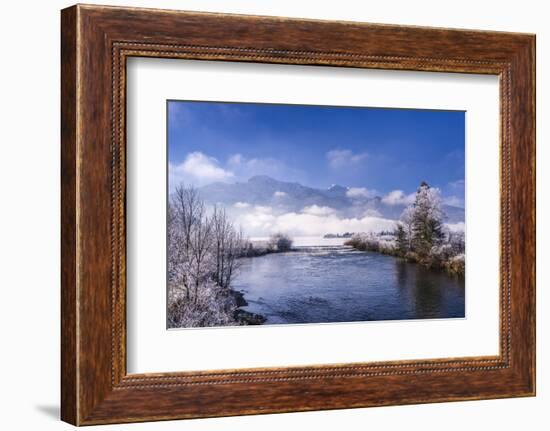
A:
x: 456, y: 265
x: 211, y: 306
x: 280, y: 242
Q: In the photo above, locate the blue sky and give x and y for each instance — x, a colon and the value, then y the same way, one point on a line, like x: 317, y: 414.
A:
x: 379, y: 150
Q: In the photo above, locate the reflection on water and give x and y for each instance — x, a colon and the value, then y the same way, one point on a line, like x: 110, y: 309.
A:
x: 339, y: 284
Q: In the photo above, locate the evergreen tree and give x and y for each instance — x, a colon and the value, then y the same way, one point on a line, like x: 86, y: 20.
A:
x: 427, y: 220
x: 401, y: 240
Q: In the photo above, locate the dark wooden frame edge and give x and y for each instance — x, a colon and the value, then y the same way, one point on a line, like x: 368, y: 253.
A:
x: 95, y: 43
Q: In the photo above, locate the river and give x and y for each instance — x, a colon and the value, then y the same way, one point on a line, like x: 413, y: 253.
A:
x: 325, y: 281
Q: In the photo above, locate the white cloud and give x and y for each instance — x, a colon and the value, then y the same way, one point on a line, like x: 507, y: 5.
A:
x: 456, y: 227
x: 318, y: 210
x: 310, y: 224
x: 458, y: 184
x: 197, y: 169
x: 244, y: 168
x: 455, y: 190
x: 398, y: 197
x: 370, y: 212
x: 254, y: 166
x: 262, y: 209
x: 235, y: 160
x: 279, y: 194
x: 360, y: 192
x: 454, y: 201
x: 241, y: 205
x: 312, y: 221
x: 257, y: 223
x: 342, y: 158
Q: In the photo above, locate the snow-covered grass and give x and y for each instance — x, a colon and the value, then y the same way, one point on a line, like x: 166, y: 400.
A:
x: 448, y: 256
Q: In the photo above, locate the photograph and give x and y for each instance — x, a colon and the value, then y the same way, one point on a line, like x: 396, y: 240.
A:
x: 297, y: 214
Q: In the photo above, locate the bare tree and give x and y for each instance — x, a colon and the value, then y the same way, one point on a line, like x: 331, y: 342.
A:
x: 203, y: 254
x: 185, y: 218
x: 228, y: 247
x: 200, y: 259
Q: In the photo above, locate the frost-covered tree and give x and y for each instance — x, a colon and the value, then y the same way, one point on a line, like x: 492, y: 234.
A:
x: 457, y: 241
x: 183, y: 216
x: 427, y: 220
x: 228, y: 246
x: 406, y: 219
x: 211, y: 307
x: 202, y: 260
x: 401, y: 239
x: 189, y: 242
x: 420, y: 235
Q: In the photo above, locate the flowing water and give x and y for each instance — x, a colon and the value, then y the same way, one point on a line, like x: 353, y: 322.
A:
x: 335, y: 283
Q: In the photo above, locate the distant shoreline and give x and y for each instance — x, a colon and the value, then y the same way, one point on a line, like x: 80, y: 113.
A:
x: 305, y: 240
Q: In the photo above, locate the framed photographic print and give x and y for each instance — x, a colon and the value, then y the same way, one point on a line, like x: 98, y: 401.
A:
x: 325, y: 214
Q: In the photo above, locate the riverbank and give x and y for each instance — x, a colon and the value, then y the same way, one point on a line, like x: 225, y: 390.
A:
x: 277, y: 243
x: 442, y: 260
x: 244, y: 317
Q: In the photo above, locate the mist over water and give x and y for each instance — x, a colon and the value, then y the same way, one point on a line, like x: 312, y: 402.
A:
x: 335, y: 283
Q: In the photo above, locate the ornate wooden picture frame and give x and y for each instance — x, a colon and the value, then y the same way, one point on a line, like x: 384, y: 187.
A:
x: 96, y: 41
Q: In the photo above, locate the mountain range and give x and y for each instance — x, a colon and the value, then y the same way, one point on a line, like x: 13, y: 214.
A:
x: 262, y: 190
